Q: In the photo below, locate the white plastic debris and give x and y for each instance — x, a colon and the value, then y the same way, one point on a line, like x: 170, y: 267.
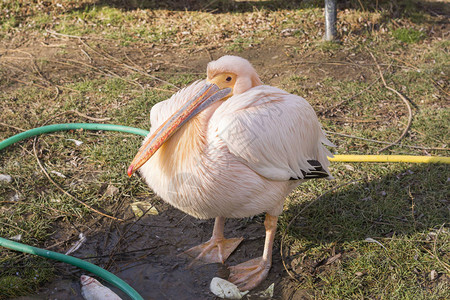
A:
x: 349, y: 167
x: 91, y: 289
x: 141, y: 207
x: 16, y: 238
x: 58, y: 174
x: 15, y: 197
x: 77, y: 245
x: 225, y: 289
x: 371, y: 240
x: 267, y: 293
x: 5, y: 177
x: 77, y: 143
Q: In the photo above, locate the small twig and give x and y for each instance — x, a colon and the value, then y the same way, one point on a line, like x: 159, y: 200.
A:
x: 79, y: 114
x: 138, y: 70
x: 112, y: 58
x: 60, y: 243
x: 32, y: 83
x: 53, y: 45
x: 444, y: 264
x: 11, y: 126
x: 129, y: 59
x: 283, y: 238
x: 41, y: 77
x: 89, y: 118
x: 123, y: 237
x: 120, y: 253
x: 85, y: 53
x: 64, y: 35
x: 362, y: 6
x: 424, y: 135
x: 209, y: 54
x: 58, y: 92
x: 344, y: 120
x: 13, y: 226
x: 426, y: 75
x: 405, y: 131
x: 149, y: 75
x: 350, y: 98
x: 65, y: 192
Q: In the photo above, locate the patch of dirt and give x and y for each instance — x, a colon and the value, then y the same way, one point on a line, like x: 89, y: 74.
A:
x: 58, y: 60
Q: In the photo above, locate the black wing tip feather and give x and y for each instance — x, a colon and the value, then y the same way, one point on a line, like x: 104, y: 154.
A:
x: 318, y: 171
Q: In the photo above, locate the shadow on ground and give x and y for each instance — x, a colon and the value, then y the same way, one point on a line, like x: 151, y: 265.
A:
x: 394, y: 9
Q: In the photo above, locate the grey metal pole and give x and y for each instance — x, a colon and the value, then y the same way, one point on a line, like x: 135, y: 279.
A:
x: 330, y: 20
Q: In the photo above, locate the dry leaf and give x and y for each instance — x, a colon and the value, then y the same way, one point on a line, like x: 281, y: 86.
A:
x: 141, y: 207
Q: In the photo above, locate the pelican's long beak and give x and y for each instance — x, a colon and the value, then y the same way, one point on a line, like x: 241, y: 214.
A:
x: 209, y: 94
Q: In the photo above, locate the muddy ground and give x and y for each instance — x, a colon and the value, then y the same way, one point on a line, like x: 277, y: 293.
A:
x: 149, y: 258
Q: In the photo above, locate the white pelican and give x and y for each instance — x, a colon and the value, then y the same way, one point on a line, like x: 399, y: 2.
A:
x: 231, y: 147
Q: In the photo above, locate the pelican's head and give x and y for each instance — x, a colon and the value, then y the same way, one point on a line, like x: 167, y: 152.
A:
x: 227, y: 76
x: 233, y: 72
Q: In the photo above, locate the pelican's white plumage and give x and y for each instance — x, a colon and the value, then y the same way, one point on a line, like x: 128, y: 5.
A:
x: 242, y: 153
x: 237, y: 157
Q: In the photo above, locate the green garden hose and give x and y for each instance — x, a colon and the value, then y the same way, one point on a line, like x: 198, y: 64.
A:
x: 69, y: 126
x: 111, y: 278
x: 107, y: 276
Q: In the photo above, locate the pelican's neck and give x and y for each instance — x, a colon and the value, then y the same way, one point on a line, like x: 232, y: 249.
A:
x: 184, y: 150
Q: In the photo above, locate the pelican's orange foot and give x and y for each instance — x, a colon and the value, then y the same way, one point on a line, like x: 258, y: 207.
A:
x: 249, y: 274
x: 216, y: 250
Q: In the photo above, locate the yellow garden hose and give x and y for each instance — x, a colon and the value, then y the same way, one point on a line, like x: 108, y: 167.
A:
x: 391, y: 158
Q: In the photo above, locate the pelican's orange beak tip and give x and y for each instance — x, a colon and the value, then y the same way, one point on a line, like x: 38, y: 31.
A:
x: 130, y: 170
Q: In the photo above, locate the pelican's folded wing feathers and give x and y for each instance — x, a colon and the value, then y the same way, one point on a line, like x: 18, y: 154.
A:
x: 275, y: 133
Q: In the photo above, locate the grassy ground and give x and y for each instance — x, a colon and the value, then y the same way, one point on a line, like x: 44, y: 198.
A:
x: 63, y: 60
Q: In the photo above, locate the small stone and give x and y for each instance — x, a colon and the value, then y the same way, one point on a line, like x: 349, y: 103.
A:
x: 359, y: 274
x: 6, y: 178
x: 111, y: 190
x: 15, y: 197
x: 433, y: 275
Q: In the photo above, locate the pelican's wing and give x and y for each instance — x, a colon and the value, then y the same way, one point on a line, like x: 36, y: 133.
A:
x: 162, y: 111
x: 275, y: 133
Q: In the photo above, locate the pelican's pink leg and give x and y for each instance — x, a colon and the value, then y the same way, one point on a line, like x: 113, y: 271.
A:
x: 251, y: 273
x: 217, y: 249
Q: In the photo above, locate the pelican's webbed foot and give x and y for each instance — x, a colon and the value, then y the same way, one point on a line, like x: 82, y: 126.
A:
x: 216, y: 250
x: 249, y: 274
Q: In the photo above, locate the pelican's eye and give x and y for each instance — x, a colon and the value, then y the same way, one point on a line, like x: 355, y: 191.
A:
x: 229, y: 78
